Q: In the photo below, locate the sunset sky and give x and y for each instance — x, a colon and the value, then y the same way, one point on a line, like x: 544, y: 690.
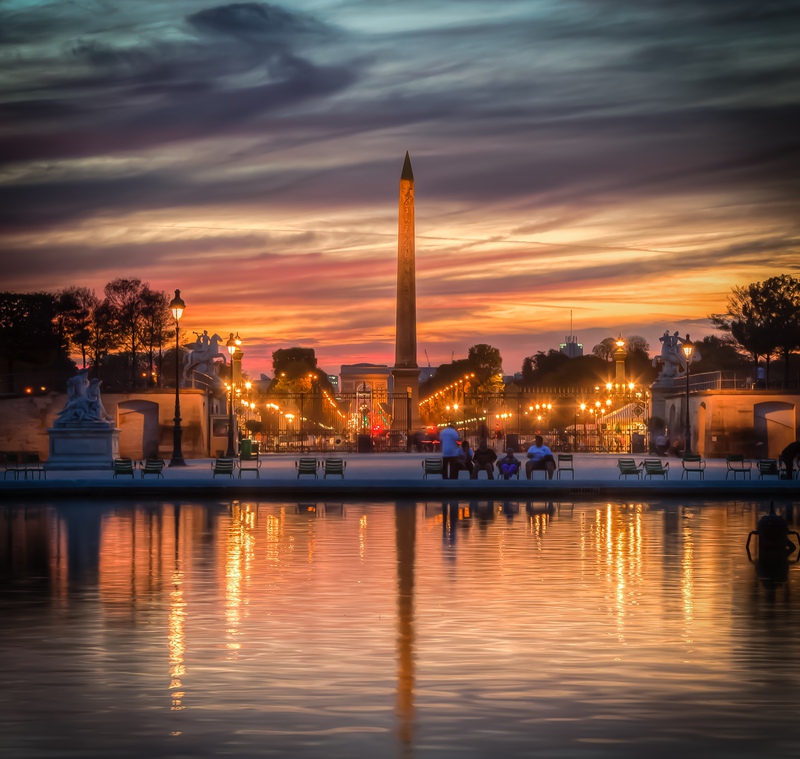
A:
x: 626, y: 162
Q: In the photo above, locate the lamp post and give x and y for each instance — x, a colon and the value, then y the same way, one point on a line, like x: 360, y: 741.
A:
x: 688, y: 349
x: 177, y: 307
x: 231, y: 346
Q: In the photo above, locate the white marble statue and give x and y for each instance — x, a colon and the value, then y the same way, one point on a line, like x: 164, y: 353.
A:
x: 202, y: 360
x: 672, y: 359
x: 83, y: 402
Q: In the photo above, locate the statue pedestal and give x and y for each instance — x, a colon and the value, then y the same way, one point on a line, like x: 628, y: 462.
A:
x: 659, y: 391
x: 87, y: 446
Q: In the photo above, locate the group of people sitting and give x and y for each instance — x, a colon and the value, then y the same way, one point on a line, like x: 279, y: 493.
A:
x: 457, y: 455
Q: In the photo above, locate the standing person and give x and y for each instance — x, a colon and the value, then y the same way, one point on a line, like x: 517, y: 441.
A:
x: 788, y: 455
x: 483, y: 459
x: 449, y: 439
x: 540, y: 457
x: 509, y: 464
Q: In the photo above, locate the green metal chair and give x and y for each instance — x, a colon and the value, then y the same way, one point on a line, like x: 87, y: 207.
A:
x: 656, y: 468
x: 693, y: 464
x: 223, y: 467
x: 153, y: 466
x: 565, y: 464
x: 768, y: 468
x: 307, y: 466
x: 628, y: 468
x: 123, y: 467
x: 334, y: 467
x: 736, y: 463
x: 432, y: 466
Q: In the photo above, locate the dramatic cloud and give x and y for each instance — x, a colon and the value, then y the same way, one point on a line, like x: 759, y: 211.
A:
x: 627, y: 163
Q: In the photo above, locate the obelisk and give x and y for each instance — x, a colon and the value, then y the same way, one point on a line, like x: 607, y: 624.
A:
x: 406, y: 371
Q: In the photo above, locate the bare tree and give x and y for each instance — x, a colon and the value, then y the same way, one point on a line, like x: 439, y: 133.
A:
x: 74, y: 313
x: 125, y: 303
x: 155, y: 326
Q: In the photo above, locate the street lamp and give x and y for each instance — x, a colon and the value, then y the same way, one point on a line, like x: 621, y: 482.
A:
x: 232, y: 347
x: 688, y: 349
x: 177, y: 307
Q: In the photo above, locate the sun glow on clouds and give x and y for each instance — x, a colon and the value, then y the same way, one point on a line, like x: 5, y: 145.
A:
x: 249, y: 154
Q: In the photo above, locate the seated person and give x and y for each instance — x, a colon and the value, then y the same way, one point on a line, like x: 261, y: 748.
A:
x: 509, y: 464
x: 465, y: 457
x: 540, y: 457
x: 483, y: 461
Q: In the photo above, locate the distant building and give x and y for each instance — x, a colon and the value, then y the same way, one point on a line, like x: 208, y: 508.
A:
x: 426, y: 372
x: 376, y: 376
x: 262, y: 383
x: 571, y: 348
x: 334, y: 380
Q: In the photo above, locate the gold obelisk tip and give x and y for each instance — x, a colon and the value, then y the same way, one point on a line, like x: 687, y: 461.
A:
x: 407, y: 174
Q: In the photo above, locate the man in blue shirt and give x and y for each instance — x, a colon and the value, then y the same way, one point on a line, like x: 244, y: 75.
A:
x: 449, y: 439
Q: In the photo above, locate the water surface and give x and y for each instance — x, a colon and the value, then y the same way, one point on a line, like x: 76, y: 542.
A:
x: 469, y: 629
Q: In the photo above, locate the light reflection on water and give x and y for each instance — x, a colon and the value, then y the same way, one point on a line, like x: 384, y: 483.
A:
x: 401, y: 630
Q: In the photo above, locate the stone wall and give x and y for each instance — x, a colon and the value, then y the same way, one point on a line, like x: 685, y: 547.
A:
x: 756, y: 423
x: 145, y: 420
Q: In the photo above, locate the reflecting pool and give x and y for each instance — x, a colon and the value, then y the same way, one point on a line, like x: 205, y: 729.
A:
x: 464, y: 629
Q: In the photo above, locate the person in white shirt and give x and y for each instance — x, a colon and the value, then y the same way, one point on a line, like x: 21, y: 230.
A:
x: 540, y: 457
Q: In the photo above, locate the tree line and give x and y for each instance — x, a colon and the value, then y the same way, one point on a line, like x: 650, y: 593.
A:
x: 121, y: 336
x: 125, y: 336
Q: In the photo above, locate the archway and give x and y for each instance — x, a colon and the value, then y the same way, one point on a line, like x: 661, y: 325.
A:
x: 775, y: 427
x: 138, y: 429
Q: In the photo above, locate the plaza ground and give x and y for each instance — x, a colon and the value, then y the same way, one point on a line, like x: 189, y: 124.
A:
x: 392, y: 476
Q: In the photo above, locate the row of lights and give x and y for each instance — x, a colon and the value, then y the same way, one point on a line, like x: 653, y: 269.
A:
x: 452, y: 386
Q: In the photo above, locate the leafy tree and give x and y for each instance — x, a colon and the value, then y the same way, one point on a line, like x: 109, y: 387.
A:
x: 74, y: 313
x: 605, y: 349
x: 481, y: 371
x: 782, y: 298
x: 608, y: 345
x: 29, y: 337
x: 764, y: 318
x: 637, y: 344
x: 291, y: 367
x: 720, y: 354
x: 485, y: 360
x: 555, y: 369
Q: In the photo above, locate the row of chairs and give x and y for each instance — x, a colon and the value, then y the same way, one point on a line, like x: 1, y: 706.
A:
x: 127, y: 467
x: 735, y: 464
x: 23, y: 464
x: 304, y: 466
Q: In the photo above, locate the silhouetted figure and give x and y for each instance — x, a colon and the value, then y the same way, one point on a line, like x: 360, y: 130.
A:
x: 509, y: 464
x: 483, y: 459
x: 788, y: 455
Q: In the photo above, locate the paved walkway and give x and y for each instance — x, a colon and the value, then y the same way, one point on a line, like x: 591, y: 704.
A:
x: 394, y: 475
